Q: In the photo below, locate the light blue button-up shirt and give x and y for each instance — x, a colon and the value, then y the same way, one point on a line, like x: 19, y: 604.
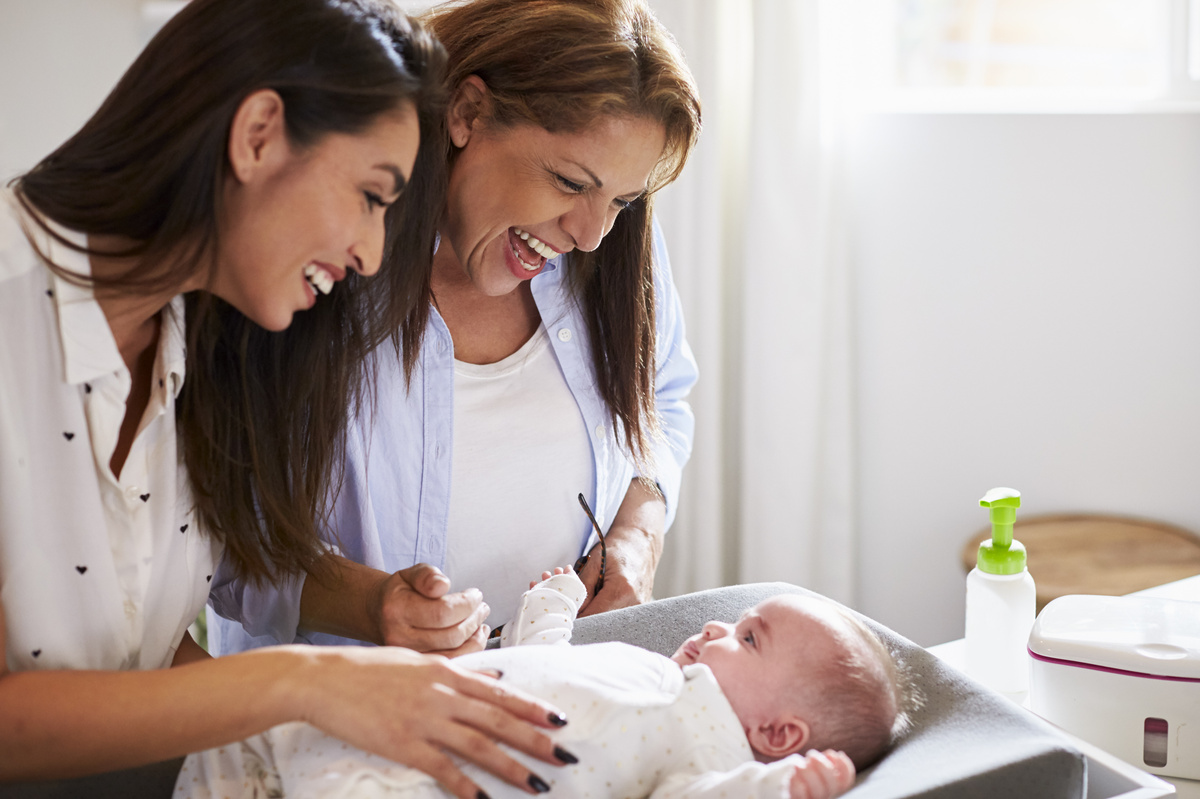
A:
x: 395, y: 499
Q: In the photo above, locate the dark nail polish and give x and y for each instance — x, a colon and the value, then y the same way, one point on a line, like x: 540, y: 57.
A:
x: 557, y: 720
x: 538, y: 784
x: 481, y: 795
x: 565, y: 756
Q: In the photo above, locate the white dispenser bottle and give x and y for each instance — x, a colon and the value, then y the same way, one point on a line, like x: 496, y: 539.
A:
x: 1001, y: 603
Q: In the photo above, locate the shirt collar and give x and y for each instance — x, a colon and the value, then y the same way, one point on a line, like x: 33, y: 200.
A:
x: 89, y: 349
x: 172, y: 347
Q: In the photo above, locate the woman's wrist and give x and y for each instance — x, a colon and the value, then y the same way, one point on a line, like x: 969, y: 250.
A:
x: 292, y: 676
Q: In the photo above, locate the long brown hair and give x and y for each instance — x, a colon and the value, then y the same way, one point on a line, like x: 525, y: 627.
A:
x: 562, y: 65
x: 262, y: 416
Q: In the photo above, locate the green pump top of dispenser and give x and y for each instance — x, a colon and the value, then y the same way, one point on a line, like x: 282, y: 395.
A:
x: 1001, y: 554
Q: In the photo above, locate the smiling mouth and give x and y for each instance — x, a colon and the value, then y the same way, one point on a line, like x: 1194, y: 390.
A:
x: 318, y: 278
x: 531, y: 251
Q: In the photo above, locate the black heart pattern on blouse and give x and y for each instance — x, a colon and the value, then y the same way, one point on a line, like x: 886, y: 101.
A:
x: 37, y: 652
x: 183, y: 529
x: 87, y: 387
x: 49, y: 293
x: 145, y: 497
x: 208, y: 579
x: 81, y: 569
x: 68, y: 436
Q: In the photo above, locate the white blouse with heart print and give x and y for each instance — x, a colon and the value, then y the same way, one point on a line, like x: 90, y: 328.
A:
x: 96, y: 572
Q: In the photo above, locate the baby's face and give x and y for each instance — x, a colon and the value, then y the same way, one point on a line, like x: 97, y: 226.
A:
x: 763, y: 656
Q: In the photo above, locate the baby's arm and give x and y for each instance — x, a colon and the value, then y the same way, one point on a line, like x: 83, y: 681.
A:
x: 547, y: 611
x: 817, y: 775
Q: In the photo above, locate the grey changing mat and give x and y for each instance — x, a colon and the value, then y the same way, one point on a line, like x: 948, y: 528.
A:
x: 965, y: 742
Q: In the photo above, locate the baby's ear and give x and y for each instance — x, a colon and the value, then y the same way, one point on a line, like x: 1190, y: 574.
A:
x: 783, y: 735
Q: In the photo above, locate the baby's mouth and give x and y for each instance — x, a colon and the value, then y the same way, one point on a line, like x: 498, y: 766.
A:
x: 531, y: 251
x: 318, y: 278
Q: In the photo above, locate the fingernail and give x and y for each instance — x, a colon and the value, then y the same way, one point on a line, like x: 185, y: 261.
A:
x: 481, y: 795
x: 557, y: 720
x: 565, y: 756
x: 538, y: 784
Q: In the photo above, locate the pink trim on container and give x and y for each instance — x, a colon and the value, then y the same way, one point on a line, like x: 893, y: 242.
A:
x: 1110, y: 670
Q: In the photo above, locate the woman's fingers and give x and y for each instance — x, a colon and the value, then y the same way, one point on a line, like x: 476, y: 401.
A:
x: 506, y: 708
x: 477, y: 642
x: 415, y: 709
x: 439, y: 766
x: 483, y: 751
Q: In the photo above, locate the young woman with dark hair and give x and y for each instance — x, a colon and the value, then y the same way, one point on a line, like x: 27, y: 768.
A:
x: 158, y: 405
x: 554, y: 362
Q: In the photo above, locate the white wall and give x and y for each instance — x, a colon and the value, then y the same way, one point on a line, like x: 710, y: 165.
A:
x: 1026, y: 292
x: 58, y: 61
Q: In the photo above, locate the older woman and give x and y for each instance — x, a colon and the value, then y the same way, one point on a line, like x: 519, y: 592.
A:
x: 549, y: 361
x: 261, y: 158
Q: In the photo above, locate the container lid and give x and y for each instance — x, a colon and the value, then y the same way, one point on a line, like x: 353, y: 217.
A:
x: 1144, y: 635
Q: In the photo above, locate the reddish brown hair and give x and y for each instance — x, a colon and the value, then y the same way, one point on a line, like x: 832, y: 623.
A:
x: 563, y: 64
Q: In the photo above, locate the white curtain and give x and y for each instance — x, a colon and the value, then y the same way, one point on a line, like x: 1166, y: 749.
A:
x: 757, y: 233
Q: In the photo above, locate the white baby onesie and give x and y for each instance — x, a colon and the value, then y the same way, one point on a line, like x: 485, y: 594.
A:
x: 640, y: 726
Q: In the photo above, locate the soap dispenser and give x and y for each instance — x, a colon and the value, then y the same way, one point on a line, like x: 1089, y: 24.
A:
x: 1001, y: 603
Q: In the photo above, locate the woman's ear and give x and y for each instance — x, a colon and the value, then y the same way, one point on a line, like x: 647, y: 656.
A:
x: 779, y: 737
x: 257, y: 135
x: 468, y: 107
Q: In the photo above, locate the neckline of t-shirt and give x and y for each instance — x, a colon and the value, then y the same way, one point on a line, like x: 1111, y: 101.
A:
x: 527, y: 352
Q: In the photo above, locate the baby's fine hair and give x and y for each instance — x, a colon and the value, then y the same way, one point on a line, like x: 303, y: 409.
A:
x: 858, y: 701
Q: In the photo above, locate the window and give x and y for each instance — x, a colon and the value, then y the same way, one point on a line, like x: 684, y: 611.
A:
x: 1117, y: 44
x: 1045, y: 53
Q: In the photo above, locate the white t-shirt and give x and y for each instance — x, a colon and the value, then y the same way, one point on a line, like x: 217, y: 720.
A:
x: 95, y: 572
x: 521, y: 458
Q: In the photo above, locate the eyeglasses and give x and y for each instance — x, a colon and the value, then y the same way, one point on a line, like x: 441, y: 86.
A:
x: 579, y: 564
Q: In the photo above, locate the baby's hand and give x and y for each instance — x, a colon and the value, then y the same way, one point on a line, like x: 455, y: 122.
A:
x: 548, y: 575
x: 822, y: 775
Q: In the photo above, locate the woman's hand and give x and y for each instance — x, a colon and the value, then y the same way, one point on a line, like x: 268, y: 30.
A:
x: 420, y: 709
x: 417, y: 610
x: 635, y: 543
x: 822, y: 775
x: 628, y: 574
x: 412, y: 608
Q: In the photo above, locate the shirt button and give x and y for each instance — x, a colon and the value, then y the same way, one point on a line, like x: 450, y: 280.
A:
x: 564, y: 334
x: 132, y: 493
x: 599, y: 431
x: 130, y: 609
x: 437, y: 450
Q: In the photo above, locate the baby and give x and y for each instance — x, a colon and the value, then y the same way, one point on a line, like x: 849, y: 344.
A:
x: 787, y: 702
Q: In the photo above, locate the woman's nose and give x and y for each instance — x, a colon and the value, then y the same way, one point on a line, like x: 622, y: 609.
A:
x: 587, y: 224
x: 368, y: 251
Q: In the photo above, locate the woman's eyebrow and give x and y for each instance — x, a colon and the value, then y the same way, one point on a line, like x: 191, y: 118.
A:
x: 397, y: 176
x: 600, y: 183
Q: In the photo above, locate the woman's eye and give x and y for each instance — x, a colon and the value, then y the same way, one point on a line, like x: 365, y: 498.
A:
x: 749, y: 638
x: 374, y: 201
x: 569, y: 185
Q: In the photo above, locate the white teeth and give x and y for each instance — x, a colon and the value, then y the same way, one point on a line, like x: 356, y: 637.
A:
x: 536, y: 244
x: 318, y: 278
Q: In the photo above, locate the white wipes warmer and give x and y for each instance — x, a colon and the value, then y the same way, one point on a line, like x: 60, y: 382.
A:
x: 1123, y: 673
